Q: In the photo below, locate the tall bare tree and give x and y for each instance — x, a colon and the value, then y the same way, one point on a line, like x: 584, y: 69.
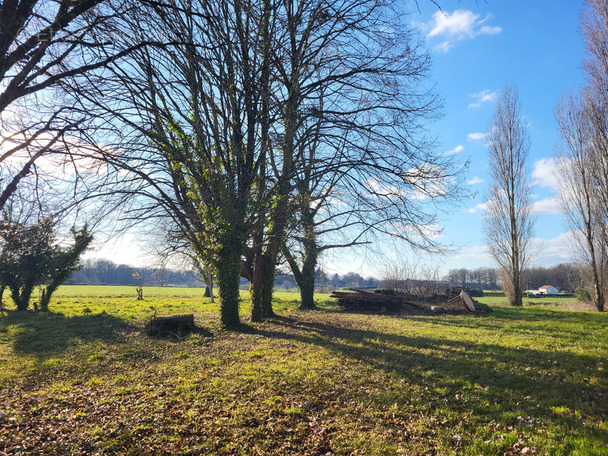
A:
x: 188, y: 123
x: 583, y: 123
x: 509, y: 225
x: 216, y: 129
x: 595, y: 33
x: 351, y: 102
x: 578, y: 192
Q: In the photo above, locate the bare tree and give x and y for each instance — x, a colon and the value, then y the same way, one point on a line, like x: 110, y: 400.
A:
x: 352, y: 102
x: 44, y: 44
x: 170, y: 246
x: 186, y: 122
x: 216, y: 131
x: 508, y: 225
x: 414, y: 278
x: 583, y: 123
x: 578, y: 190
x: 595, y: 32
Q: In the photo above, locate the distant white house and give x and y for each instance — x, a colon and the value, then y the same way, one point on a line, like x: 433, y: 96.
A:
x: 547, y: 289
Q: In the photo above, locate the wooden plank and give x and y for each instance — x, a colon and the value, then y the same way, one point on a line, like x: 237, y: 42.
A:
x: 467, y: 301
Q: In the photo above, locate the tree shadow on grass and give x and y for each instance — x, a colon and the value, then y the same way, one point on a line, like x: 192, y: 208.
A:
x: 46, y: 334
x: 505, y: 382
x: 527, y: 321
x: 180, y: 335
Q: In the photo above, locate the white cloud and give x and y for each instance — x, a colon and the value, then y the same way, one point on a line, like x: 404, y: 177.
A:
x: 456, y: 150
x: 546, y: 206
x: 555, y: 250
x: 479, y: 253
x: 457, y: 26
x: 478, y: 208
x: 484, y: 96
x: 489, y: 30
x: 476, y: 136
x: 475, y: 180
x: 546, y: 172
x: 383, y: 189
x: 460, y: 22
x: 445, y: 46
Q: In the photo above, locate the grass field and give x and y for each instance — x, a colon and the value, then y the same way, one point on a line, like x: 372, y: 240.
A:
x: 564, y: 303
x: 85, y: 379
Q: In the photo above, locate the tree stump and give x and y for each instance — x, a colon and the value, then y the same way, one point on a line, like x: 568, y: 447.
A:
x: 176, y: 325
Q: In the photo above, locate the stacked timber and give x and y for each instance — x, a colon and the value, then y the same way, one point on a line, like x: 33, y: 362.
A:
x: 385, y: 301
x: 373, y: 302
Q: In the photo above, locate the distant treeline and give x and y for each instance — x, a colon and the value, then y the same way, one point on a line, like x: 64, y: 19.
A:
x: 106, y: 272
x: 328, y: 282
x: 565, y: 277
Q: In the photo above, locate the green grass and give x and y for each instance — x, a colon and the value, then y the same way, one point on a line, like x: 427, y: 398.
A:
x: 567, y: 303
x: 84, y: 379
x: 502, y: 299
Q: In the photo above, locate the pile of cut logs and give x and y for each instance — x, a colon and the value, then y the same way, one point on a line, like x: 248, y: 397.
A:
x: 360, y: 300
x: 383, y: 301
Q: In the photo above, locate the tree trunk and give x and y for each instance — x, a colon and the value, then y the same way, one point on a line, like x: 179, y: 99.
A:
x: 305, y: 277
x: 208, y: 277
x: 262, y: 287
x: 265, y: 261
x: 599, y: 299
x: 257, y: 253
x: 44, y: 300
x: 21, y: 297
x: 598, y: 292
x: 47, y: 293
x: 518, y: 295
x: 265, y: 257
x: 311, y: 254
x: 209, y: 293
x: 228, y: 278
x: 307, y: 290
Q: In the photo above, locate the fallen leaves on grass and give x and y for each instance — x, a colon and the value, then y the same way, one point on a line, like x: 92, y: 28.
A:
x: 320, y: 383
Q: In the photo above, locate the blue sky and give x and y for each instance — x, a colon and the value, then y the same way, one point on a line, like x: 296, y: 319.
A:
x: 478, y: 47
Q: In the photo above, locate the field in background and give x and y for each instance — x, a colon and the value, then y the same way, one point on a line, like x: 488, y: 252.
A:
x: 80, y: 294
x: 569, y: 303
x: 85, y: 379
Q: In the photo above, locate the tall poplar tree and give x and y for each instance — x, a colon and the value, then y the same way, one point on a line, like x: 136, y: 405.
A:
x: 509, y: 224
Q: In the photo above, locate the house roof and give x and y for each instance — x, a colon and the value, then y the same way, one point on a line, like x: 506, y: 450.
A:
x: 544, y: 287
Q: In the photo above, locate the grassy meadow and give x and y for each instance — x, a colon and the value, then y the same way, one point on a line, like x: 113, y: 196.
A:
x: 562, y: 303
x: 84, y: 379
